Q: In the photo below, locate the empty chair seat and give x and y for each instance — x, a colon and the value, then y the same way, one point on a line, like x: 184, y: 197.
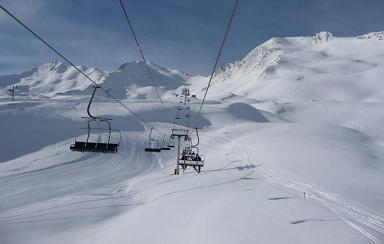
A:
x: 90, y: 146
x: 77, y: 146
x: 94, y: 147
x: 112, y: 147
x: 148, y: 149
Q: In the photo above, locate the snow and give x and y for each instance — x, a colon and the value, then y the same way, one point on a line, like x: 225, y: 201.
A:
x: 322, y: 67
x: 291, y: 135
x: 56, y: 77
x: 129, y: 80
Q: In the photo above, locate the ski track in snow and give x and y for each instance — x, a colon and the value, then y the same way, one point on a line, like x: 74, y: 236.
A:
x: 113, y: 160
x: 357, y: 217
x: 354, y: 215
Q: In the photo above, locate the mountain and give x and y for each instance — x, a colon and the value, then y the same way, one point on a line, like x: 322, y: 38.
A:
x: 130, y: 79
x: 7, y: 80
x: 56, y: 77
x: 319, y: 67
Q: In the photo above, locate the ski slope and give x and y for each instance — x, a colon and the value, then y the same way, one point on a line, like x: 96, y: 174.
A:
x: 285, y: 163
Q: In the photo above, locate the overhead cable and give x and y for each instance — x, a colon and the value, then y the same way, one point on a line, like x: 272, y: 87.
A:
x: 220, y: 51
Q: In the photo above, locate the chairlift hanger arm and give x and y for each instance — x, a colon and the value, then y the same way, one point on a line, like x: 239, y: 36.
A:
x: 89, y: 107
x: 198, y: 138
x: 90, y: 102
x: 150, y: 135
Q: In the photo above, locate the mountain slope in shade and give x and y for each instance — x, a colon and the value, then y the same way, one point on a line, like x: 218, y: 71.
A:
x: 132, y: 80
x: 7, y: 80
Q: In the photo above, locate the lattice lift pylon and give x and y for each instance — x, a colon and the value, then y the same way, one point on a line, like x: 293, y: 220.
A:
x: 179, y: 133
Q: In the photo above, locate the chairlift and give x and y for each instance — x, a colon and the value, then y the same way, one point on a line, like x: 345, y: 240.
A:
x: 111, y: 142
x: 191, y: 156
x: 165, y: 145
x: 185, y: 92
x: 153, y: 144
x: 171, y: 144
x: 171, y: 141
x: 179, y: 132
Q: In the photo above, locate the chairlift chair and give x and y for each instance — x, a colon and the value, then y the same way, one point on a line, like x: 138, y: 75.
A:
x: 191, y: 156
x: 153, y: 144
x: 165, y: 145
x: 171, y: 143
x: 185, y: 92
x: 89, y: 145
x: 179, y: 132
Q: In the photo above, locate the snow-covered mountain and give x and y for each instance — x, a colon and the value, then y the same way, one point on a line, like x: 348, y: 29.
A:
x: 130, y: 79
x: 319, y: 67
x: 293, y: 144
x: 55, y: 78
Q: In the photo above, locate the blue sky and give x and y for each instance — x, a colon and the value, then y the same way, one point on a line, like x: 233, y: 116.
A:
x: 182, y: 34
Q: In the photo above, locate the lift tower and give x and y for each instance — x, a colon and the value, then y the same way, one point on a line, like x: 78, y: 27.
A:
x: 179, y: 133
x: 12, y: 91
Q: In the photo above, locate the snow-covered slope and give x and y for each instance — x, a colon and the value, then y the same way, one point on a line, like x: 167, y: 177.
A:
x: 132, y: 80
x: 129, y: 80
x: 321, y: 67
x: 56, y: 78
x: 7, y: 80
x: 293, y: 144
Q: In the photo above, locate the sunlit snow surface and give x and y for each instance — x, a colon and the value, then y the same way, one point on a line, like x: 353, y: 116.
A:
x: 293, y: 141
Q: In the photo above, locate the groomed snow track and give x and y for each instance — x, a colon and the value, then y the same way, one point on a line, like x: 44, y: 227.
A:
x: 368, y: 222
x: 87, y: 173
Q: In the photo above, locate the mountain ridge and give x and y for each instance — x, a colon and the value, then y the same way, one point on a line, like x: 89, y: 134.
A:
x: 282, y: 68
x: 318, y: 67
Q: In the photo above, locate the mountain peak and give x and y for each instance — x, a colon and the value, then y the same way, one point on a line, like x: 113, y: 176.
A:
x: 54, y: 65
x: 373, y: 36
x: 129, y: 65
x: 323, y: 36
x: 139, y: 66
